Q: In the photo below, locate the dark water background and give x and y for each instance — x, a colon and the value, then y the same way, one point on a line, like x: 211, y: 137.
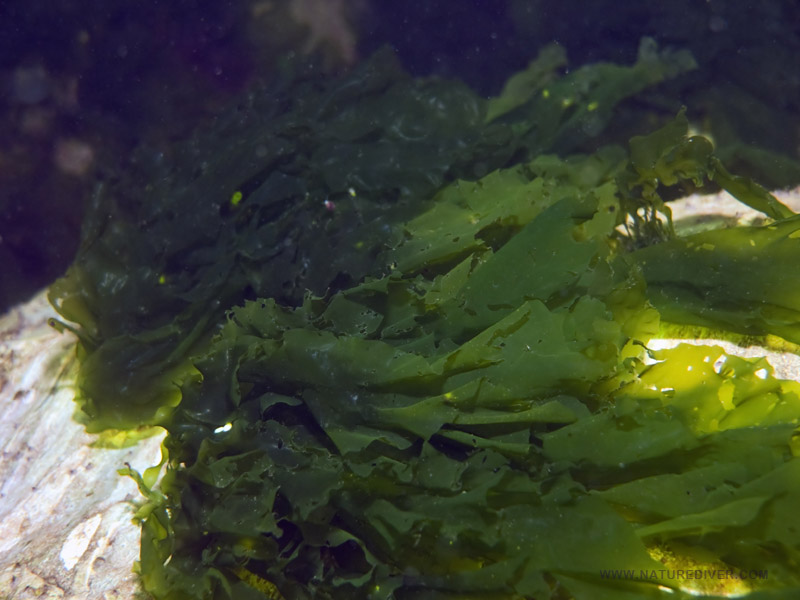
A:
x: 82, y: 82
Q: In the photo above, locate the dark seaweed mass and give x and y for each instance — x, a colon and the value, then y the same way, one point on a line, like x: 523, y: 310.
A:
x: 399, y: 345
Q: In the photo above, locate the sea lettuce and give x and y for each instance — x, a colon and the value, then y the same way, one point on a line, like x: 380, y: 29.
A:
x: 401, y: 352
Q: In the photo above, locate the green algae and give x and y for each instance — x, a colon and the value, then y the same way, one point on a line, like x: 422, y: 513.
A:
x: 464, y: 405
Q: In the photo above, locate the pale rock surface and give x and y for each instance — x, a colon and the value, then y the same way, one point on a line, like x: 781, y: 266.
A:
x: 65, y: 513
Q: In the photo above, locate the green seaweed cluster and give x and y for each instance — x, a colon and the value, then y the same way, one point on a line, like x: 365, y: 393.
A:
x: 463, y: 405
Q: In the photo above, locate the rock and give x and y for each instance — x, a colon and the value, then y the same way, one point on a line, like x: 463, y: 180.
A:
x: 65, y: 513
